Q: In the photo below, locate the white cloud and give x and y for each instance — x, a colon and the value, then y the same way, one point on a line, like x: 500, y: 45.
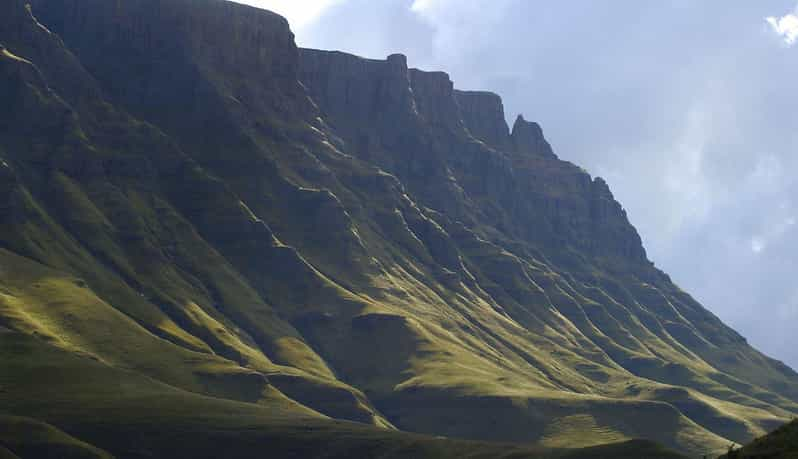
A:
x: 421, y: 5
x: 785, y: 26
x: 788, y: 310
x: 684, y: 176
x: 300, y: 13
x: 757, y: 244
x: 464, y: 14
x: 775, y: 232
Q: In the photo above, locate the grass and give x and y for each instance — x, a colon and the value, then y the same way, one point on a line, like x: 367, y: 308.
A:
x: 782, y: 443
x: 133, y: 416
x: 24, y: 437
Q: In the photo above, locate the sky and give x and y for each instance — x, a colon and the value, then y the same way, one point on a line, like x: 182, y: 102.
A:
x: 688, y: 109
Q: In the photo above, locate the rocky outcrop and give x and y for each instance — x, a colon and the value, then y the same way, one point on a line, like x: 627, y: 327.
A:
x: 360, y: 95
x: 433, y: 93
x: 483, y: 115
x: 527, y: 138
x: 609, y: 220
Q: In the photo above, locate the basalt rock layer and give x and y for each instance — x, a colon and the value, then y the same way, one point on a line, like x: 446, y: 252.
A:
x: 202, y: 225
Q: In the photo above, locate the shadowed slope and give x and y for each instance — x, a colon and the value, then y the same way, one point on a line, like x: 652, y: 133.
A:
x: 24, y: 437
x: 782, y: 443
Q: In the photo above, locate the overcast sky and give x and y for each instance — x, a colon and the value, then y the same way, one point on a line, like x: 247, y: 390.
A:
x: 688, y: 109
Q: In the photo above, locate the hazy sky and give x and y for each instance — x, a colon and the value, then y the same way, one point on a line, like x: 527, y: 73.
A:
x: 688, y: 109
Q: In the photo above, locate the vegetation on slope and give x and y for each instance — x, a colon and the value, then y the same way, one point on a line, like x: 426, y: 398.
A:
x: 782, y: 443
x: 24, y: 437
x: 132, y: 416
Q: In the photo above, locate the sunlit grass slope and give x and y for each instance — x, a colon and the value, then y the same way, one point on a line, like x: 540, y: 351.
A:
x: 131, y: 416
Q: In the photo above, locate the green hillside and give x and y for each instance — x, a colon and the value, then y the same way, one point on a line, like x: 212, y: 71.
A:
x: 134, y: 417
x: 782, y: 443
x: 215, y: 244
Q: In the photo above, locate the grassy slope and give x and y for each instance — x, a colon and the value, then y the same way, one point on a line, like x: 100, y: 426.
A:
x: 134, y: 416
x: 782, y: 443
x: 109, y: 289
x: 24, y: 437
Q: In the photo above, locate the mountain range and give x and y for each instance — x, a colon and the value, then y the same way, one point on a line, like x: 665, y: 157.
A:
x: 214, y: 243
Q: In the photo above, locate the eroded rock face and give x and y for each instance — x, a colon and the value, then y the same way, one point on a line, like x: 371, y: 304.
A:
x: 423, y: 130
x: 527, y: 138
x: 434, y: 96
x: 483, y: 115
x: 181, y: 63
x: 360, y: 92
x: 609, y: 216
x: 228, y: 35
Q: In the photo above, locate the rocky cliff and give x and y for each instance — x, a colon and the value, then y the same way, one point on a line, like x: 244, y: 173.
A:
x: 193, y: 210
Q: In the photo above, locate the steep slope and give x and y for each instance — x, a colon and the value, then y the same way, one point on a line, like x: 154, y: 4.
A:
x: 782, y: 443
x: 109, y: 202
x: 205, y: 215
x: 558, y: 256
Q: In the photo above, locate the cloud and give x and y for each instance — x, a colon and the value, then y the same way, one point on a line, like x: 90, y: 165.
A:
x: 773, y: 233
x: 785, y: 26
x: 420, y: 6
x: 757, y: 244
x: 300, y: 13
x: 451, y: 20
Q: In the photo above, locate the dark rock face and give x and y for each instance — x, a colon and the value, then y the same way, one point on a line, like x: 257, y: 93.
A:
x: 434, y: 96
x: 483, y: 115
x: 360, y: 91
x: 9, y: 194
x: 177, y: 72
x: 359, y: 236
x: 373, y: 105
x: 527, y: 138
x: 561, y: 205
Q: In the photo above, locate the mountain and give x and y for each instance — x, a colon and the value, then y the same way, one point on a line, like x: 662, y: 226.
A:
x: 213, y: 243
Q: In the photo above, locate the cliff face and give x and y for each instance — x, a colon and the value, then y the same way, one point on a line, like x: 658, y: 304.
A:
x: 457, y: 153
x: 527, y: 138
x: 241, y: 226
x: 483, y: 115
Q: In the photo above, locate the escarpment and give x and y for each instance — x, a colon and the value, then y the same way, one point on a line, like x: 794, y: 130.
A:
x: 278, y: 238
x: 483, y: 115
x: 558, y: 202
